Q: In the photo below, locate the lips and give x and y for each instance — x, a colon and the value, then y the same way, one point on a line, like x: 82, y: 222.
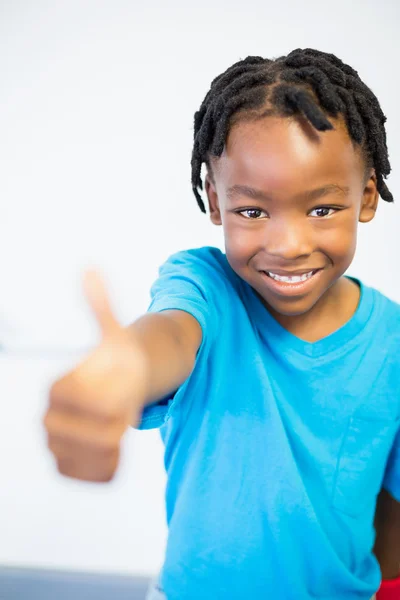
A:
x: 293, y: 289
x: 290, y: 273
x: 293, y: 279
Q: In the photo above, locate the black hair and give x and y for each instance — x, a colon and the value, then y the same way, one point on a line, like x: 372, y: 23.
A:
x: 306, y: 82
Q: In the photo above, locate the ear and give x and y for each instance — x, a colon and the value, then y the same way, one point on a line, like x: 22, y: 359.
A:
x: 215, y: 213
x: 370, y: 199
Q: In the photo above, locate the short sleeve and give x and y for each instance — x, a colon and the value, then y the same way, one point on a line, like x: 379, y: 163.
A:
x: 187, y: 281
x: 391, y: 481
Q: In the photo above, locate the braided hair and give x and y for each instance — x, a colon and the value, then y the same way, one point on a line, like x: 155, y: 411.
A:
x: 306, y: 82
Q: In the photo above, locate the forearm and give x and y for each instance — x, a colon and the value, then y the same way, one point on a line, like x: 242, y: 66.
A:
x: 387, y: 542
x: 169, y: 348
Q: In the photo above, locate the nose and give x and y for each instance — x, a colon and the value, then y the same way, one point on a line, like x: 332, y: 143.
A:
x: 288, y: 240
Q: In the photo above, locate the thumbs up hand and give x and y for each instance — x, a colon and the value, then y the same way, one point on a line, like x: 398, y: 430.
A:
x: 92, y: 406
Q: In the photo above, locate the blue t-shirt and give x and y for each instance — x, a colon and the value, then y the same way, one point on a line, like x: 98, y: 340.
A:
x: 275, y: 448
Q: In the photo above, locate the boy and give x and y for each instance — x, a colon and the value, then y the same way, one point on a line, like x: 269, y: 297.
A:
x: 273, y: 377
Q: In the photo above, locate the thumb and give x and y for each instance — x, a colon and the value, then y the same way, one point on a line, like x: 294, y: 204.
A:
x: 98, y: 299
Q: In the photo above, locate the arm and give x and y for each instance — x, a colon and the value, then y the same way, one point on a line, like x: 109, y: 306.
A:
x: 387, y: 542
x: 387, y: 545
x: 170, y: 341
x: 91, y: 406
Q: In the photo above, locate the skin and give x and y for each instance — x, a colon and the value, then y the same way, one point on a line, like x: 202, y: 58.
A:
x: 387, y: 541
x: 284, y: 158
x: 287, y: 234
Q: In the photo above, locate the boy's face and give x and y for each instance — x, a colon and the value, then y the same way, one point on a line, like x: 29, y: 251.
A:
x: 288, y: 227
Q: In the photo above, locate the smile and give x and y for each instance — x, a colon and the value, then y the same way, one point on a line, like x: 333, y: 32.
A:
x: 291, y: 278
x: 294, y: 285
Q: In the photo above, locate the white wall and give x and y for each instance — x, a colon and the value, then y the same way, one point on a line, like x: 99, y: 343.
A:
x: 96, y: 110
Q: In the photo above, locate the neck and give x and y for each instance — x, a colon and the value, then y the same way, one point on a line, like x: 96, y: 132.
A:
x: 333, y: 310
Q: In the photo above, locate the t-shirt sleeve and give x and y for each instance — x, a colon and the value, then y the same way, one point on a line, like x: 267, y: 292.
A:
x: 186, y: 282
x: 391, y: 480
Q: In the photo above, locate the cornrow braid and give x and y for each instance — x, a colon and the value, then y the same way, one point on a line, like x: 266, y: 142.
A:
x: 306, y: 81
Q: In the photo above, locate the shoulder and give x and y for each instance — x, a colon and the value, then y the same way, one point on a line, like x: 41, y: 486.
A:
x: 390, y: 308
x: 202, y: 277
x: 206, y: 264
x: 196, y: 257
x: 387, y: 311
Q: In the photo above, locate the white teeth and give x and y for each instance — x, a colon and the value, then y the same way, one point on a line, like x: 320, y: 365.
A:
x: 293, y: 279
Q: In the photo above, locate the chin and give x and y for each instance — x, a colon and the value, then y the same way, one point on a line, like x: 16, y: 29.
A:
x: 286, y: 310
x: 295, y: 306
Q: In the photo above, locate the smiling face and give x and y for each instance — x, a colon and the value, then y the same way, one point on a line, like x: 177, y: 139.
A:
x: 289, y: 199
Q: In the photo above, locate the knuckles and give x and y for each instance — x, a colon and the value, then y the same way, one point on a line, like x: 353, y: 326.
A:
x: 97, y: 464
x: 101, y: 443
x: 102, y: 446
x: 69, y: 468
x: 84, y: 426
x: 97, y: 409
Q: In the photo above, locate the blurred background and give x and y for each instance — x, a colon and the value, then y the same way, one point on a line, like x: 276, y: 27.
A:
x: 96, y: 118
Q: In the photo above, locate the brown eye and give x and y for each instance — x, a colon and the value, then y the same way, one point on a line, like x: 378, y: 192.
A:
x: 252, y: 213
x: 323, y: 211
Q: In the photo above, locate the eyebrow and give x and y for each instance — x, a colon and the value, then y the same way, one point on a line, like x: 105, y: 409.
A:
x: 309, y: 195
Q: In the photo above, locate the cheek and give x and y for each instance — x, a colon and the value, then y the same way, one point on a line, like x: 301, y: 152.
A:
x: 336, y: 241
x: 240, y: 242
x: 340, y: 242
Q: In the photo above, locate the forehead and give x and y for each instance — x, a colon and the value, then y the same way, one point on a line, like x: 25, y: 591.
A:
x: 285, y: 154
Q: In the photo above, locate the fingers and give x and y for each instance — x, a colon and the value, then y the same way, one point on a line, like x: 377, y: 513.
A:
x: 99, y: 388
x: 90, y: 407
x: 83, y: 448
x: 68, y: 396
x: 98, y: 299
x: 85, y: 432
x: 73, y: 467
